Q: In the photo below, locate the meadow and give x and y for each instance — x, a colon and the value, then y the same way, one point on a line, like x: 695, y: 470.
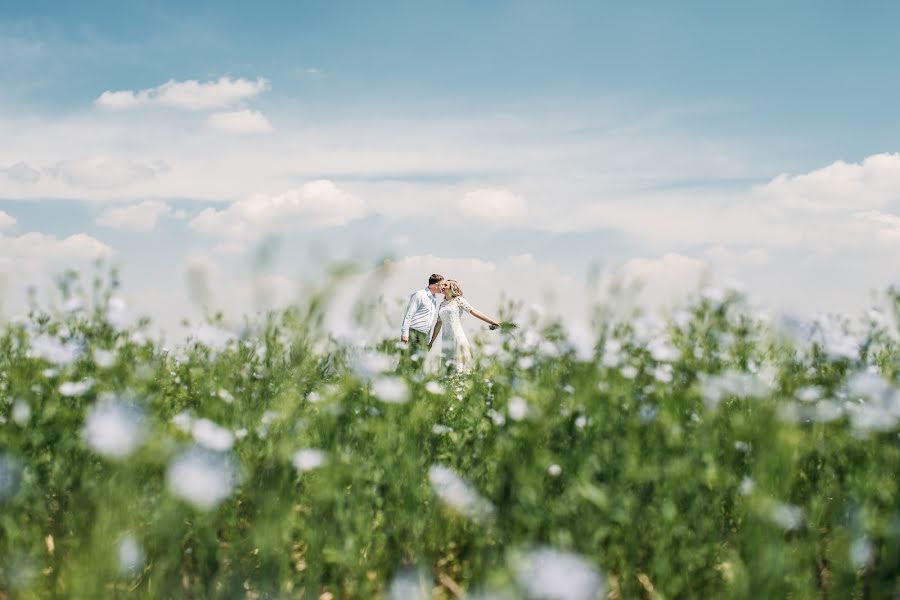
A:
x: 714, y: 453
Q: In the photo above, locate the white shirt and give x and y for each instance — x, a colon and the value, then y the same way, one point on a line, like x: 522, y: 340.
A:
x: 420, y: 312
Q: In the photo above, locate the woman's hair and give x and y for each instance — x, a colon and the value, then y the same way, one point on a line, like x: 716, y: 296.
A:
x: 455, y: 290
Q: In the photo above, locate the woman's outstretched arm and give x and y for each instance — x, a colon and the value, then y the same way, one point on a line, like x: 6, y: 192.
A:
x: 480, y: 315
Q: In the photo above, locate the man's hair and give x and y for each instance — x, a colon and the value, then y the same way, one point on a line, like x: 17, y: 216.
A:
x: 435, y: 278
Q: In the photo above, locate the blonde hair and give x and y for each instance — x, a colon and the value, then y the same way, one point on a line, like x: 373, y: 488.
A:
x: 455, y: 290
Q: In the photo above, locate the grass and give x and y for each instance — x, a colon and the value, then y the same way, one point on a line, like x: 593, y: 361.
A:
x: 710, y: 455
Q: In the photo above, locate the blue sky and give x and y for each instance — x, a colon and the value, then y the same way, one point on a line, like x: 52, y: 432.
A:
x: 648, y: 137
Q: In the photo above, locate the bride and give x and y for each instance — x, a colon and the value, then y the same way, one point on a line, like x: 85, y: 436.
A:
x: 455, y: 347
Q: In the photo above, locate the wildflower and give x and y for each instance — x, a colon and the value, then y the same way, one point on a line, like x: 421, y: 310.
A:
x: 76, y: 388
x: 214, y: 338
x: 458, y: 493
x: 497, y: 418
x: 581, y: 422
x: 21, y: 413
x: 10, y: 476
x: 308, y: 459
x: 131, y: 556
x: 225, y: 396
x: 629, y: 372
x: 862, y: 552
x: 787, y: 516
x: 113, y: 428
x: 392, y: 390
x: 117, y: 313
x: 439, y: 429
x: 747, y: 486
x: 104, y: 358
x: 202, y: 477
x: 663, y: 373
x: 212, y: 436
x: 732, y: 383
x: 54, y: 350
x: 433, y: 387
x: 554, y: 575
x: 663, y: 351
x: 410, y: 584
x: 517, y: 409
x: 554, y: 470
x: 183, y: 421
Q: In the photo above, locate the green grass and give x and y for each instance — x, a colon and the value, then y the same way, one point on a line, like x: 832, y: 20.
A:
x: 706, y: 478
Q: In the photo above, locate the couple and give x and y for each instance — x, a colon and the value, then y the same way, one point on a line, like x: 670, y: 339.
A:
x: 420, y: 317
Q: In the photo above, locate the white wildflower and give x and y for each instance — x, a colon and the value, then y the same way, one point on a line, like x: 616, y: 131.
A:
x: 550, y: 574
x: 458, y: 493
x: 747, y: 486
x: 629, y: 371
x: 662, y: 350
x: 214, y: 338
x: 54, y: 350
x: 862, y: 553
x: 225, y: 396
x: 202, y: 477
x: 787, y: 516
x: 525, y: 362
x: 389, y: 389
x: 663, y: 373
x: 439, y: 429
x: 433, y: 387
x: 554, y: 470
x: 113, y: 428
x: 104, y: 358
x: 308, y: 459
x: 131, y: 556
x: 211, y: 435
x: 21, y: 413
x: 183, y: 421
x: 517, y: 409
x: 76, y: 388
x: 498, y: 419
x: 809, y: 393
x: 581, y: 422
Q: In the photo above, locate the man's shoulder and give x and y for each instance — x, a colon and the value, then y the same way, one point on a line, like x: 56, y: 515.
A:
x: 417, y: 294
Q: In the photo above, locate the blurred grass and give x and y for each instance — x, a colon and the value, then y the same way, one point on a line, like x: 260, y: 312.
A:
x: 658, y: 487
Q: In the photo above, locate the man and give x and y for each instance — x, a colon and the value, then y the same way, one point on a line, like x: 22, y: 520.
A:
x: 420, y: 316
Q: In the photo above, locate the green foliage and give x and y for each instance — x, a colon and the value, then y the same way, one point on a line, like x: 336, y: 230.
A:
x: 706, y: 457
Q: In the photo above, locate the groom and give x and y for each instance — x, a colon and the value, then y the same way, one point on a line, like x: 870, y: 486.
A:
x: 420, y: 316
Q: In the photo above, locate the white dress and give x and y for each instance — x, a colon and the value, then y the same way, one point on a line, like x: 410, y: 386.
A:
x: 455, y: 348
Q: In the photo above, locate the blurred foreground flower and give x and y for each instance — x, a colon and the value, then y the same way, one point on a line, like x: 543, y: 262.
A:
x: 456, y: 492
x: 113, y: 428
x: 548, y: 574
x: 308, y: 459
x: 202, y: 477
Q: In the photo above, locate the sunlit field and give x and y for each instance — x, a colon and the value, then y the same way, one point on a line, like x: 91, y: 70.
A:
x: 713, y: 453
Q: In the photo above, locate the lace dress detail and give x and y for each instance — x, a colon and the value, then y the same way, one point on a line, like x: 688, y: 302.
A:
x: 455, y: 348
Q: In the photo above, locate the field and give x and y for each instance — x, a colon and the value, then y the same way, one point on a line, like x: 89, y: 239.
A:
x: 713, y: 454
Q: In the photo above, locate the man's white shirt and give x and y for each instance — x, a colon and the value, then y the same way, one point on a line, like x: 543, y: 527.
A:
x: 420, y: 312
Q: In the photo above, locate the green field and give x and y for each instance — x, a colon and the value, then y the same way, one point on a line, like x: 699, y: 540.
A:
x: 714, y: 454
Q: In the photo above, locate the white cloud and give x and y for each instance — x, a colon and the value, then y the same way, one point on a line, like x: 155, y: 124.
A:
x: 886, y: 226
x: 663, y: 281
x: 137, y: 217
x: 105, y: 173
x: 746, y: 256
x: 840, y: 186
x: 493, y: 205
x: 241, y: 121
x: 189, y: 95
x: 22, y: 173
x: 315, y: 204
x: 32, y: 252
x: 6, y: 221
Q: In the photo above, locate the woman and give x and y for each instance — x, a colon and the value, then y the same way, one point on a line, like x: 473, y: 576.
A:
x: 455, y: 345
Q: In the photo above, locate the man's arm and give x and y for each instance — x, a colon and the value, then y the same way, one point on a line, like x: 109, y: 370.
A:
x: 410, y: 311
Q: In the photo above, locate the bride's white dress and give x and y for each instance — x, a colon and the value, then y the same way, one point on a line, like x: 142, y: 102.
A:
x: 455, y: 348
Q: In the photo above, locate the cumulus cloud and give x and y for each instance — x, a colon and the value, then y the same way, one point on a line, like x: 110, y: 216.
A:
x: 137, y: 217
x: 188, y: 95
x: 241, y: 121
x: 886, y: 226
x: 33, y: 251
x: 840, y: 186
x: 494, y: 205
x: 315, y: 204
x: 6, y: 221
x: 745, y: 256
x: 663, y: 280
x: 105, y: 173
x: 22, y: 173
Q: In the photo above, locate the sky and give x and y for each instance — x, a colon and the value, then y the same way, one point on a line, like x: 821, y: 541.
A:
x: 517, y: 146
